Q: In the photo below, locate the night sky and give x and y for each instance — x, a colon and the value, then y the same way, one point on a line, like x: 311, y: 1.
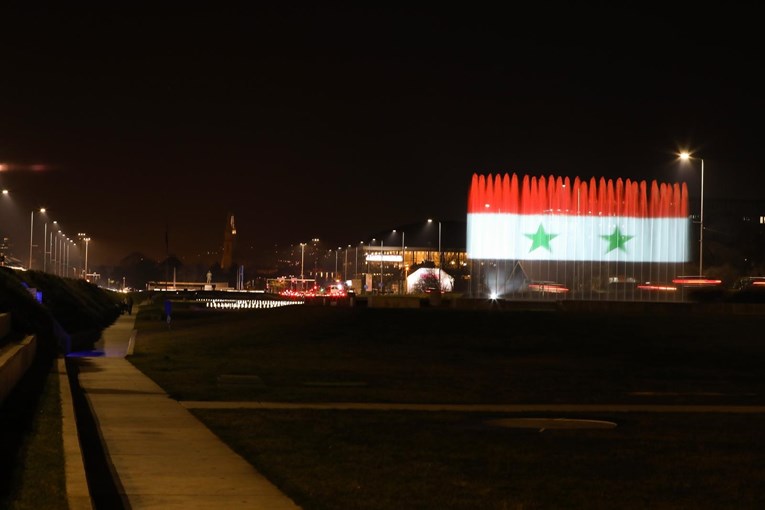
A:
x: 338, y: 123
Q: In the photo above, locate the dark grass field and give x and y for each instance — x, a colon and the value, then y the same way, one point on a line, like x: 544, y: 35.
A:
x: 384, y: 460
x: 452, y: 356
x: 381, y: 460
x: 32, y: 446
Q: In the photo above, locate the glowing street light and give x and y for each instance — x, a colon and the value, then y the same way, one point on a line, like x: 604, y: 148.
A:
x: 66, y: 258
x: 685, y: 156
x: 345, y: 267
x: 50, y: 245
x: 439, y: 253
x: 403, y: 259
x: 84, y: 237
x: 302, y: 258
x: 87, y: 240
x: 45, y: 247
x: 31, y: 233
x: 356, y: 263
x: 382, y: 268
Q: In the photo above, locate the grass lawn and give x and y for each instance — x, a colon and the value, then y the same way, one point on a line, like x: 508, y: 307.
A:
x: 382, y: 460
x: 437, y: 356
x: 36, y: 479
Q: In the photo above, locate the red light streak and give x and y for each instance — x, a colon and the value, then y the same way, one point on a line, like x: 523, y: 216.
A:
x: 552, y: 289
x: 663, y: 288
x: 696, y: 281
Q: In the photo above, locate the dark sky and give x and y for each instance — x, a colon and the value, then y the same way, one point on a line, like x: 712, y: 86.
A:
x: 337, y: 123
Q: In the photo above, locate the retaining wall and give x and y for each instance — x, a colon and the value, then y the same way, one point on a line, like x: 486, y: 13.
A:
x: 15, y: 359
x: 5, y: 324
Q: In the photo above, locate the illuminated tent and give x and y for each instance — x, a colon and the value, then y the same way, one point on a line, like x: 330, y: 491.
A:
x: 426, y: 278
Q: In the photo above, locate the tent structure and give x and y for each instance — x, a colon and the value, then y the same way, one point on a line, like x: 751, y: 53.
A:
x: 426, y: 279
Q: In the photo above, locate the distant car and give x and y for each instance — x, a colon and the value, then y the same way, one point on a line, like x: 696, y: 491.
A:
x: 657, y: 287
x: 696, y: 281
x: 756, y: 283
x: 750, y: 289
x: 700, y: 288
x: 545, y: 287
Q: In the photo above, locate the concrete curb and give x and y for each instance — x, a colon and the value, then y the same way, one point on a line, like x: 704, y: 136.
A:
x: 77, y: 492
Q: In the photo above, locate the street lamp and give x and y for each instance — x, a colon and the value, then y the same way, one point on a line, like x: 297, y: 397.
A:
x: 87, y: 240
x: 439, y: 253
x: 54, y: 225
x: 382, y: 268
x: 66, y: 259
x: 56, y: 253
x: 45, y: 245
x: 302, y: 259
x: 687, y: 157
x: 403, y: 259
x: 345, y: 267
x: 336, y: 252
x: 31, y: 233
x: 356, y: 263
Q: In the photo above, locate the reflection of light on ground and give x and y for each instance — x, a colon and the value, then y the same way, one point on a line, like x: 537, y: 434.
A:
x: 86, y: 354
x: 246, y: 304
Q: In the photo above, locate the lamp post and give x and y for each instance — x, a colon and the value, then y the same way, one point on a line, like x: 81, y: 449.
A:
x: 51, y: 252
x: 302, y: 259
x: 382, y: 268
x: 31, y: 233
x: 403, y: 260
x: 45, y: 244
x: 50, y: 245
x: 335, y: 274
x: 685, y: 156
x: 87, y: 241
x: 60, y: 252
x: 439, y: 254
x: 345, y: 267
x: 356, y: 263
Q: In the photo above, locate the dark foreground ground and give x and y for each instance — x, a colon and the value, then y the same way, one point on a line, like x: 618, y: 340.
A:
x: 394, y: 459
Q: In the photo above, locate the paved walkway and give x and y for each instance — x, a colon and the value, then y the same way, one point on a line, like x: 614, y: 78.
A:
x: 162, y: 455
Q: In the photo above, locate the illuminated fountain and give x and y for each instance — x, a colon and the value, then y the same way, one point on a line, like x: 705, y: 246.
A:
x: 595, y: 238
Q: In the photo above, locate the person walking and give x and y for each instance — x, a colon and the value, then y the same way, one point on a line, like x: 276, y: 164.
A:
x: 168, y: 312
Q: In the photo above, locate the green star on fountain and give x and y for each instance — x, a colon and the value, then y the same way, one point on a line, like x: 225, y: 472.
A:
x: 616, y: 240
x: 540, y: 239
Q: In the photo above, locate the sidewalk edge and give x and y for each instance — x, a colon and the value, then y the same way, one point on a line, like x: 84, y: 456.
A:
x: 77, y: 493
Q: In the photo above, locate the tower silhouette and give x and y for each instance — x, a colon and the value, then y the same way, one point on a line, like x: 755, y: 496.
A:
x: 229, y: 236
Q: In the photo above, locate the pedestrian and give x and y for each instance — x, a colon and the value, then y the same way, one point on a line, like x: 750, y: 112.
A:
x: 129, y: 303
x: 168, y: 311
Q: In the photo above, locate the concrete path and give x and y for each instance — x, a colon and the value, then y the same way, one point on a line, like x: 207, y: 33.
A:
x: 162, y: 455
